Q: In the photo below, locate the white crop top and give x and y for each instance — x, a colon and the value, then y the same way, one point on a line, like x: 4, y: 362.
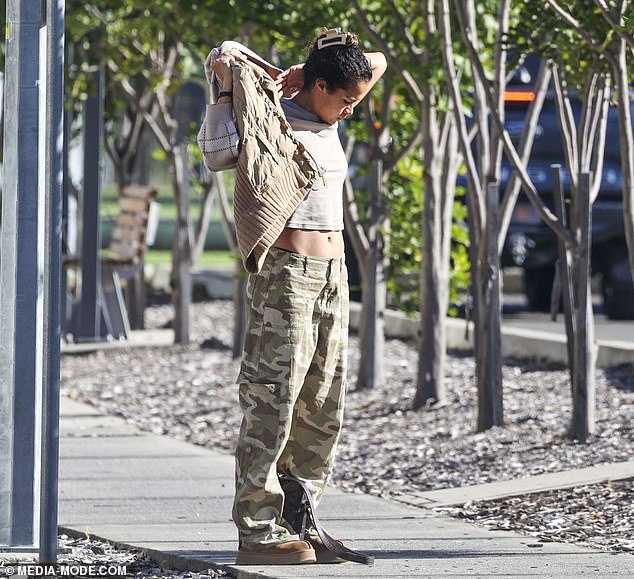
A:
x: 322, y: 208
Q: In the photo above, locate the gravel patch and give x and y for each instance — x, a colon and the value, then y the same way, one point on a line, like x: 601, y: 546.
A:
x: 83, y: 557
x: 598, y: 516
x: 386, y: 448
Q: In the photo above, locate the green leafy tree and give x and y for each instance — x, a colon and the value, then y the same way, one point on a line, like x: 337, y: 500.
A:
x: 483, y: 28
x: 537, y: 31
x: 405, y: 33
x: 151, y: 50
x: 605, y: 31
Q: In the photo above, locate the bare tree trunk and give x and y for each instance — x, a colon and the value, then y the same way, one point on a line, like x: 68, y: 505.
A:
x: 434, y: 288
x: 372, y: 331
x: 489, y: 330
x: 483, y: 202
x: 139, y: 167
x: 436, y: 227
x: 374, y: 294
x: 181, y: 256
x: 204, y: 219
x: 239, y: 276
x: 586, y: 144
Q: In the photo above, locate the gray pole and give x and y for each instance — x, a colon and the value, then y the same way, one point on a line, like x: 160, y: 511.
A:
x: 21, y: 313
x: 89, y: 323
x: 52, y: 298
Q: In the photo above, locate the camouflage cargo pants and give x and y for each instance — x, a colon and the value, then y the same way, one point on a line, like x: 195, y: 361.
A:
x: 291, y: 387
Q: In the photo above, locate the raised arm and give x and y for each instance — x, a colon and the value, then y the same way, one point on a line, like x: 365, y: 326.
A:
x: 378, y: 66
x: 291, y: 81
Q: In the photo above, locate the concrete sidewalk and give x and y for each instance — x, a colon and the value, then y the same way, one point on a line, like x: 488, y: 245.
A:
x: 173, y: 500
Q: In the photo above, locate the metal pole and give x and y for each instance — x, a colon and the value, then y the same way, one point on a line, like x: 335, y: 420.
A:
x: 52, y: 297
x: 21, y: 313
x: 89, y: 323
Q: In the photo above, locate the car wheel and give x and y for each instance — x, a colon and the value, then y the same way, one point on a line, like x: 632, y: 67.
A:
x: 538, y: 287
x: 617, y: 284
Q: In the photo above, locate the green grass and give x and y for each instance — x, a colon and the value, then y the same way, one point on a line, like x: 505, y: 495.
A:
x: 208, y: 259
x: 110, y: 195
x: 109, y: 204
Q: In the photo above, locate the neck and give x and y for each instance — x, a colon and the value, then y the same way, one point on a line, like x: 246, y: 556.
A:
x: 304, y: 100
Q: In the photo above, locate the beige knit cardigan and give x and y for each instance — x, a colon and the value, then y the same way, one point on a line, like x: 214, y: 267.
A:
x: 274, y: 172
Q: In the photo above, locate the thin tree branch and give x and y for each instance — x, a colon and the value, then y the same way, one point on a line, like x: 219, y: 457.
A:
x: 452, y: 160
x: 168, y: 74
x: 202, y: 224
x: 499, y: 84
x: 394, y: 159
x: 574, y: 24
x: 452, y: 81
x: 360, y: 242
x: 446, y: 125
x: 531, y: 122
x: 111, y: 149
x: 132, y: 95
x: 567, y: 126
x: 605, y: 11
x: 465, y: 11
x: 149, y: 119
x: 599, y: 147
x: 590, y: 120
x: 377, y: 39
x: 131, y: 144
x: 412, y: 49
x: 546, y: 214
x: 616, y: 24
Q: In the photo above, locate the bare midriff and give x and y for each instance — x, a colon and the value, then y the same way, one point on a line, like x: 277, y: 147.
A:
x: 311, y: 242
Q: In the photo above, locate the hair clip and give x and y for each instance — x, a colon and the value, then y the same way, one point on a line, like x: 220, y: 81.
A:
x: 332, y: 37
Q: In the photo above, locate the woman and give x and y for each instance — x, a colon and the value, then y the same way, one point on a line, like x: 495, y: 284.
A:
x: 294, y: 363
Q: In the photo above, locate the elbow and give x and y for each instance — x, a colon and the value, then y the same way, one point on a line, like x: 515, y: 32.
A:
x: 381, y: 62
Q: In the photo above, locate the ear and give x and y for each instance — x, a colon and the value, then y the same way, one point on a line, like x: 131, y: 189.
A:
x: 321, y: 85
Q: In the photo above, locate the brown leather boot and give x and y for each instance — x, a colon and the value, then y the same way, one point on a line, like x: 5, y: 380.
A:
x: 323, y: 554
x: 289, y: 553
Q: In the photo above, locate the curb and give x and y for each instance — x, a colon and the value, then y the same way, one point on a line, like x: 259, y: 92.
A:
x: 517, y: 487
x: 516, y: 342
x: 167, y: 561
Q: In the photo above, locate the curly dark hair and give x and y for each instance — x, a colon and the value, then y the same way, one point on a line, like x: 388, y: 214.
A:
x: 341, y: 66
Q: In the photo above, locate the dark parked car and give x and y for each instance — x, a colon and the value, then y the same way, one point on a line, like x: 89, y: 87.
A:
x: 530, y: 244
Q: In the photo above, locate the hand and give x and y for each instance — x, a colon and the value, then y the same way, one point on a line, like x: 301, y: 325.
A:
x: 222, y: 66
x: 291, y: 81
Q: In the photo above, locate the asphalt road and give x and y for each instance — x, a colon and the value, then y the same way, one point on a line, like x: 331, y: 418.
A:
x: 515, y: 313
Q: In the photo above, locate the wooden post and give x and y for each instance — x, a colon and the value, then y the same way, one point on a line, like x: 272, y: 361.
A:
x: 491, y: 409
x: 583, y: 419
x: 564, y: 267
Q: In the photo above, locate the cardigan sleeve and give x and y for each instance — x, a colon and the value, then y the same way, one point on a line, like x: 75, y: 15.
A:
x: 218, y: 137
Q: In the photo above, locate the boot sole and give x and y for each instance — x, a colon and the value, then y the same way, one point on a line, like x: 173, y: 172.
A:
x: 328, y: 558
x: 255, y: 558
